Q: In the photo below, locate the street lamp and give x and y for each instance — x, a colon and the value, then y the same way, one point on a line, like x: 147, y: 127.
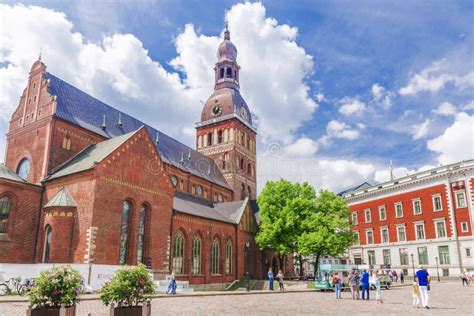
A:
x: 437, y: 270
x: 413, y: 265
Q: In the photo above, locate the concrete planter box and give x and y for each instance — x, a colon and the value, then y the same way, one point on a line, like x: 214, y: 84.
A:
x: 144, y: 310
x: 63, y: 311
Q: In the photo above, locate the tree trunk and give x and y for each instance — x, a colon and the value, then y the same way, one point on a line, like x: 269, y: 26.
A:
x: 316, y: 264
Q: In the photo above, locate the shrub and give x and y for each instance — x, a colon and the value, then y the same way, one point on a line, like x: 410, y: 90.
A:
x: 130, y: 286
x: 55, y: 287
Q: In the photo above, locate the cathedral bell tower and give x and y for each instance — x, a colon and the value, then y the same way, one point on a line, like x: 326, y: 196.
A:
x: 225, y: 131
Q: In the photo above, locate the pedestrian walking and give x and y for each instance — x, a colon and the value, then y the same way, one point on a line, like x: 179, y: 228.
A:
x: 395, y: 276
x: 376, y: 282
x: 364, y: 282
x: 423, y: 283
x: 353, y: 280
x: 402, y: 277
x: 172, y: 284
x: 465, y: 277
x: 415, y: 293
x: 270, y: 279
x: 337, y: 282
x: 279, y: 277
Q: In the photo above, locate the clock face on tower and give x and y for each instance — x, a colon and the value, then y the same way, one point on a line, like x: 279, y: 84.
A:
x: 216, y: 110
x: 244, y: 114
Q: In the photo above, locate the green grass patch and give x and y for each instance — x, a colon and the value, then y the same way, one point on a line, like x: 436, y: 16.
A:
x: 311, y: 285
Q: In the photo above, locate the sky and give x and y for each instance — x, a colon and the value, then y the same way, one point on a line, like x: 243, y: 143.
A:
x: 337, y: 89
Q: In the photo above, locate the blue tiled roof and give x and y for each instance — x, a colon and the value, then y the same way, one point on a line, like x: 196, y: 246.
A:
x: 79, y: 108
x: 360, y: 186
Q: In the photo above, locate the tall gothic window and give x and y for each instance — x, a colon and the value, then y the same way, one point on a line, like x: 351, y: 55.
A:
x: 196, y: 253
x: 209, y: 139
x: 229, y: 72
x: 248, y: 190
x: 242, y: 192
x: 215, y: 256
x: 47, y: 243
x: 5, y: 205
x: 124, y: 232
x: 219, y: 137
x: 178, y: 253
x: 221, y: 73
x: 228, y: 257
x: 142, y: 218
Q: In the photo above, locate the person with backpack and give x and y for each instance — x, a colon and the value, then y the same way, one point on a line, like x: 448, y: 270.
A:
x: 364, y: 282
x: 337, y: 282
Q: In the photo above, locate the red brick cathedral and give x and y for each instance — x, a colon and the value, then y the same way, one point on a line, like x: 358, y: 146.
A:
x: 84, y: 182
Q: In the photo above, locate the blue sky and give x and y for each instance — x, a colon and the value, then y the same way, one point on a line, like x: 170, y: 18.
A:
x: 375, y: 80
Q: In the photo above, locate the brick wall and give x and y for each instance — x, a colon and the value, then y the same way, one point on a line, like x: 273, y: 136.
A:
x: 18, y: 244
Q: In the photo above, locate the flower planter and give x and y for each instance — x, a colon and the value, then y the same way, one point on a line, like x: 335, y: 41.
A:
x: 63, y: 311
x: 144, y: 310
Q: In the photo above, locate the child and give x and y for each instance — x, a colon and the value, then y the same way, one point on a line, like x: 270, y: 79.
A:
x: 416, y: 294
x: 172, y: 284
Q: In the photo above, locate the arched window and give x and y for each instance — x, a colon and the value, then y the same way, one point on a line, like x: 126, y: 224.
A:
x: 249, y: 168
x: 229, y: 72
x: 242, y: 138
x: 219, y: 137
x: 248, y: 190
x: 242, y: 192
x: 5, y: 205
x: 228, y: 257
x: 47, y: 243
x: 242, y: 163
x: 124, y: 232
x: 196, y: 253
x: 67, y: 142
x: 23, y: 169
x: 178, y: 253
x: 141, y: 240
x: 215, y: 256
x: 248, y: 143
x: 209, y: 139
x: 222, y: 73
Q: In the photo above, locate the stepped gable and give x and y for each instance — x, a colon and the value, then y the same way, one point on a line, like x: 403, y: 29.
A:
x: 81, y: 109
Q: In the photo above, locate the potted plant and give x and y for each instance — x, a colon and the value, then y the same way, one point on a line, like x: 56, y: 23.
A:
x: 55, y: 292
x: 129, y: 292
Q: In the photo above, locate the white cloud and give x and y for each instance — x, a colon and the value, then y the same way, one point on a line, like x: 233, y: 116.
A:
x: 351, y: 106
x: 437, y: 76
x: 331, y: 174
x: 469, y: 106
x: 457, y: 141
x: 445, y: 109
x: 120, y: 71
x: 420, y: 130
x: 381, y: 96
x: 336, y: 129
x: 384, y: 175
x: 303, y: 147
x: 320, y: 97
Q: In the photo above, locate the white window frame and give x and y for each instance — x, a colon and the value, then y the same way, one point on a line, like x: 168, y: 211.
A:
x: 433, y: 197
x: 457, y: 200
x: 382, y: 207
x: 401, y: 207
x: 367, y: 237
x: 462, y: 227
x: 358, y: 238
x: 414, y: 208
x: 356, y: 221
x: 404, y: 232
x: 370, y: 215
x: 440, y: 220
x: 381, y: 235
x: 416, y: 231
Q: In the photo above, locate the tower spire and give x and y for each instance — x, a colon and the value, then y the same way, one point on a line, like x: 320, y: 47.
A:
x: 227, y: 32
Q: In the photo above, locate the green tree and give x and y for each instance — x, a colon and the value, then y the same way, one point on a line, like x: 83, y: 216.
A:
x: 326, y: 228
x: 283, y: 206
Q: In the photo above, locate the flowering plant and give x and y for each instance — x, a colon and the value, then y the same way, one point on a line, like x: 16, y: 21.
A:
x: 55, y: 287
x: 130, y: 286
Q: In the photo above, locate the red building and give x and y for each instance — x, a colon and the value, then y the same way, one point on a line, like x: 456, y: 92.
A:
x: 421, y: 219
x: 84, y: 182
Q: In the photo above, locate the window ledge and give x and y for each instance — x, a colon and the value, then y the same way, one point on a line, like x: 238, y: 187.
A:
x: 4, y: 237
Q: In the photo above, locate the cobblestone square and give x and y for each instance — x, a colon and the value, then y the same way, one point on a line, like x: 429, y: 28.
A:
x: 445, y: 299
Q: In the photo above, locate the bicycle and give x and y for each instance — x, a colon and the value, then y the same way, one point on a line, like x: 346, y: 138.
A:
x: 26, y: 286
x: 14, y: 284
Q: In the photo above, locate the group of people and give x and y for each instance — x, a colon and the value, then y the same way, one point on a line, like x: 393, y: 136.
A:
x: 364, y: 280
x: 279, y: 277
x: 466, y: 278
x: 394, y: 277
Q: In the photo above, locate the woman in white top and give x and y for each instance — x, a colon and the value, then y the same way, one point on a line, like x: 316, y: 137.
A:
x: 376, y: 282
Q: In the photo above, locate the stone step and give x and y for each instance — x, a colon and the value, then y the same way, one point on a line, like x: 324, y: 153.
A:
x: 162, y: 289
x: 182, y: 284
